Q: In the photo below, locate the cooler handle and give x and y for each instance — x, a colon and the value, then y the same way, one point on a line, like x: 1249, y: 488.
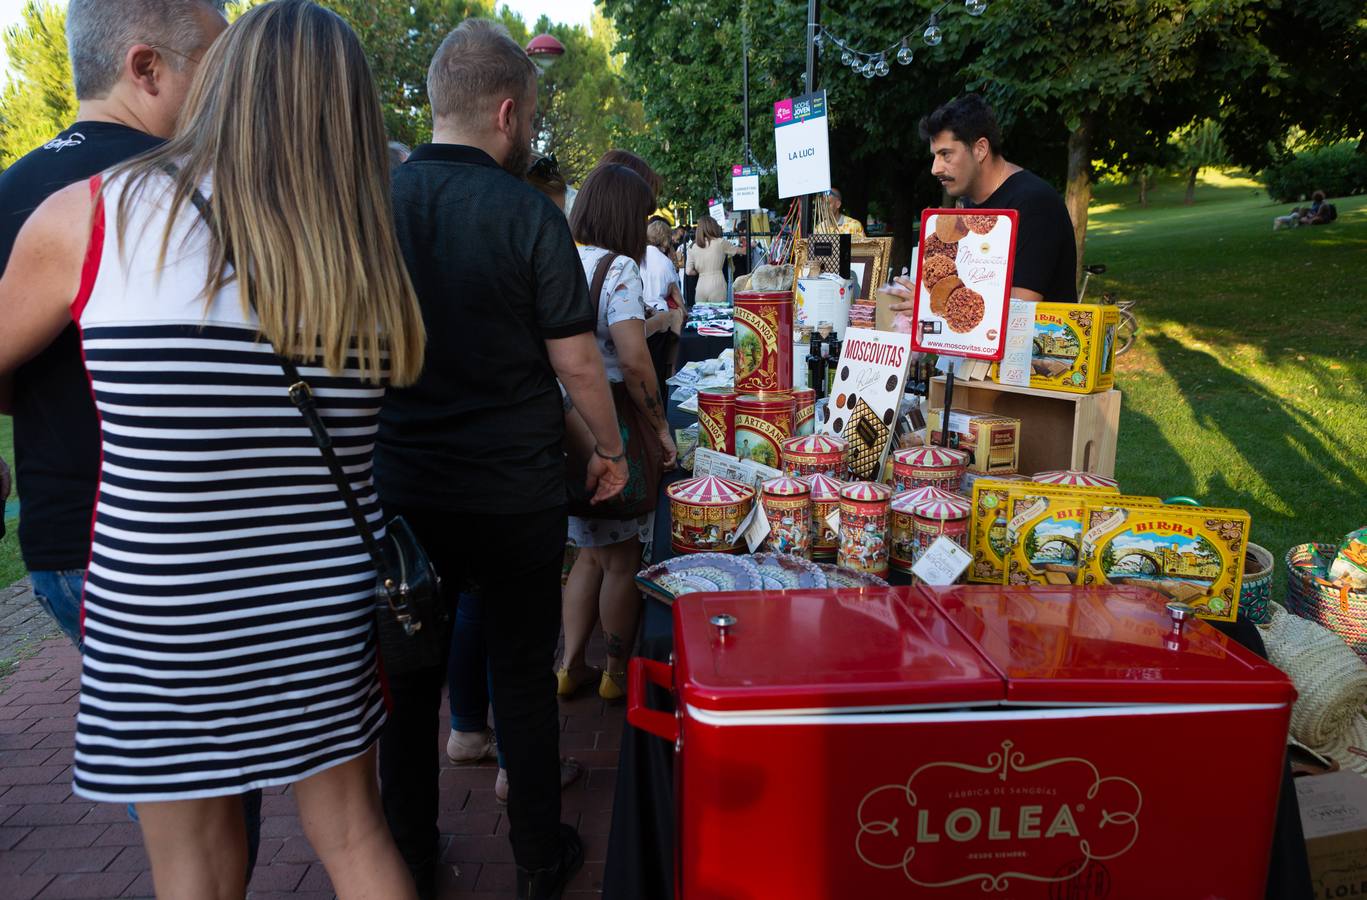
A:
x: 639, y: 671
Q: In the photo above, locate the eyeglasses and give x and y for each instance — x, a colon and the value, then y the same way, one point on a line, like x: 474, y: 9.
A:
x: 164, y: 49
x: 545, y: 168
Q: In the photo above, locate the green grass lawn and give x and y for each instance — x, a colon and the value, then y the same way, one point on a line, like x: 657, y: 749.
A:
x: 1246, y: 388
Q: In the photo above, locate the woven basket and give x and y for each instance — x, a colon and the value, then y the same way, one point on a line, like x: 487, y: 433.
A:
x: 1312, y: 596
x: 1256, y: 593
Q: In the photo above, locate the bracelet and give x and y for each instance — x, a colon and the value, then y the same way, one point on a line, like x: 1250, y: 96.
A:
x: 598, y: 451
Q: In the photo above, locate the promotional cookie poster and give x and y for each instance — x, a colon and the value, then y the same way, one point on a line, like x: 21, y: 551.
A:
x: 963, y: 281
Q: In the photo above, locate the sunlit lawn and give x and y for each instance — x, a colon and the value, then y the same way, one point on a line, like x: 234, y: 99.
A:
x: 1246, y: 388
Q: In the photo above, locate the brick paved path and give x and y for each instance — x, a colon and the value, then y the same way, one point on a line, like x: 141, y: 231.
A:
x: 54, y: 845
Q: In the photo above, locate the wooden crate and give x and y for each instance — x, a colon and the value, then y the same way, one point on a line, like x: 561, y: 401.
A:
x: 1058, y: 430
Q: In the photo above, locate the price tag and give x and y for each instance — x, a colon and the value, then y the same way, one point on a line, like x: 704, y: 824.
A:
x: 833, y: 522
x: 942, y: 563
x: 755, y: 527
x: 1020, y: 335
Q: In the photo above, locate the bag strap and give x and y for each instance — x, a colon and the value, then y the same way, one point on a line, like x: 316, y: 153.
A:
x: 600, y: 277
x: 301, y: 395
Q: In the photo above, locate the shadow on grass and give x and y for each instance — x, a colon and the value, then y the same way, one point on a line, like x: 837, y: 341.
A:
x: 1322, y: 464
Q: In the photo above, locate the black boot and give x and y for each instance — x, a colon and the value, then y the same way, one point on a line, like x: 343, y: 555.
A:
x: 549, y: 883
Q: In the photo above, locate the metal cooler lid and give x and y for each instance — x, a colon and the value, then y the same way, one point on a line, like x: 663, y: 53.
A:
x: 860, y: 648
x: 1105, y: 645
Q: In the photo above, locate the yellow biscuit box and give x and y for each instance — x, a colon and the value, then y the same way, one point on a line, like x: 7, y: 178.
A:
x: 1190, y: 553
x: 1045, y: 530
x: 1073, y: 348
x: 991, y: 510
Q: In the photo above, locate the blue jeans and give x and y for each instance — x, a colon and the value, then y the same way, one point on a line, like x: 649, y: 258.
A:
x: 468, y: 678
x: 59, y: 593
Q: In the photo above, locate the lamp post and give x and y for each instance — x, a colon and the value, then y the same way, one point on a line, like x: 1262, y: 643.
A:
x: 544, y: 50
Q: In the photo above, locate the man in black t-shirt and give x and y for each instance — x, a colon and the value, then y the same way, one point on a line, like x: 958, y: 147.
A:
x: 471, y: 455
x: 966, y: 144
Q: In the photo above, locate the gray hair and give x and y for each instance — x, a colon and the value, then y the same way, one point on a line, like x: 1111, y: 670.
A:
x: 477, y: 66
x: 99, y: 33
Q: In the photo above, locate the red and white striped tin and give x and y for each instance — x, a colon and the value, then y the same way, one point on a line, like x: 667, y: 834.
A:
x: 1074, y: 478
x: 864, y: 527
x: 825, y: 501
x: 941, y: 467
x: 787, y: 504
x: 814, y: 453
x: 706, y: 513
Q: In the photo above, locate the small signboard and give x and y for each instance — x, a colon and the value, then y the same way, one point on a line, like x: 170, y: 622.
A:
x: 802, y: 145
x: 963, y: 281
x: 744, y: 188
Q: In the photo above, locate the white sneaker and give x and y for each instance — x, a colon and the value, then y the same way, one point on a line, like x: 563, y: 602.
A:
x: 468, y: 748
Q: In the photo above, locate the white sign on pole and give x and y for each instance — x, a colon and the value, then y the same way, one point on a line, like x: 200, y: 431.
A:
x: 744, y: 188
x: 717, y: 210
x: 802, y: 146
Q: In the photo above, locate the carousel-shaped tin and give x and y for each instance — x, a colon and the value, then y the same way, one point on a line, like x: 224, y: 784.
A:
x: 804, y: 411
x: 930, y: 466
x: 825, y: 503
x: 717, y: 419
x: 787, y: 504
x: 921, y: 516
x: 706, y: 514
x: 1074, y: 478
x: 864, y: 527
x: 814, y: 453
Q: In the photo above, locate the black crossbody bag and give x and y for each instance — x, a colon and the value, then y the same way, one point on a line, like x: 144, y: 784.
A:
x: 410, y: 616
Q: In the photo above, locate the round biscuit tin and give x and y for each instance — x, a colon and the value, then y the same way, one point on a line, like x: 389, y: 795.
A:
x: 787, y: 503
x: 763, y: 339
x: 804, y: 411
x: 762, y: 425
x: 1074, y: 478
x: 923, y: 515
x: 706, y: 513
x: 717, y: 419
x: 941, y: 467
x: 825, y: 502
x: 864, y: 527
x: 814, y: 453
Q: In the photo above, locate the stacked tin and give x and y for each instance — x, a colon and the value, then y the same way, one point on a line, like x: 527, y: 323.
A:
x: 787, y: 504
x: 706, y: 513
x: 762, y: 425
x: 941, y: 467
x: 717, y: 419
x: 864, y: 527
x: 825, y: 499
x: 814, y: 453
x: 921, y: 516
x: 804, y: 411
x: 1074, y: 478
x: 764, y: 342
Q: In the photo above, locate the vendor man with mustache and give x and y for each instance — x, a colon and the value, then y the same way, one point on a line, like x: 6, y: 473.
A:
x: 965, y: 142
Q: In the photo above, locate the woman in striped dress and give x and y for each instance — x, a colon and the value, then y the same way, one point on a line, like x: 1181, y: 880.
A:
x: 228, y: 605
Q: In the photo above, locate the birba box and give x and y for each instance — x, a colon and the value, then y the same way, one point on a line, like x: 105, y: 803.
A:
x: 1190, y: 553
x: 991, y: 441
x: 1044, y: 531
x: 1334, y: 817
x: 990, y: 514
x: 1073, y: 347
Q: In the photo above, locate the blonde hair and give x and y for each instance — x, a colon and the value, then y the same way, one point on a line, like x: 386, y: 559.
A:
x: 283, y: 116
x: 657, y: 234
x: 708, y: 230
x: 475, y: 69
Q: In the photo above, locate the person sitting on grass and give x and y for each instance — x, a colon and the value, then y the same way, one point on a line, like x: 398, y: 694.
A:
x: 1320, y: 212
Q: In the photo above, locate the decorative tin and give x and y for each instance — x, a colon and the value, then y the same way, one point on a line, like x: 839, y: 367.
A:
x: 991, y: 441
x: 941, y: 467
x: 764, y: 342
x: 814, y: 453
x: 825, y: 501
x: 864, y: 527
x: 762, y: 425
x: 1073, y: 347
x: 1074, y: 478
x: 787, y: 503
x: 937, y: 512
x: 804, y: 411
x: 717, y: 419
x: 991, y: 509
x: 706, y: 514
x: 1194, y: 554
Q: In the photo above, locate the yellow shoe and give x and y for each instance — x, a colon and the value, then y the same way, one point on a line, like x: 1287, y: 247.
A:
x: 568, y: 682
x: 613, y: 685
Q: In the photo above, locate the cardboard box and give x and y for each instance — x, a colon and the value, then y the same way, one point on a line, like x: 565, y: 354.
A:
x: 1190, y: 553
x: 992, y: 441
x: 1334, y: 818
x: 990, y: 513
x: 1073, y: 347
x: 1045, y: 532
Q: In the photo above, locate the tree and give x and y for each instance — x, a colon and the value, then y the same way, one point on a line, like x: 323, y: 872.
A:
x: 1199, y: 147
x: 41, y: 102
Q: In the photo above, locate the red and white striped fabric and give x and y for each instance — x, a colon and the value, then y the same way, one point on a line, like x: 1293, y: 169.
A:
x: 865, y: 492
x: 710, y: 490
x: 824, y: 487
x: 787, y: 486
x: 1074, y: 478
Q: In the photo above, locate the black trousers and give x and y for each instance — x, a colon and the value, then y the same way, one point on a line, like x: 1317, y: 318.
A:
x: 513, y: 562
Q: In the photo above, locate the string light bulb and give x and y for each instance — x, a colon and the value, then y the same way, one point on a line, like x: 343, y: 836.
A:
x: 933, y: 35
x: 846, y: 58
x: 904, y: 55
x: 882, y: 68
x: 868, y: 70
x: 975, y: 7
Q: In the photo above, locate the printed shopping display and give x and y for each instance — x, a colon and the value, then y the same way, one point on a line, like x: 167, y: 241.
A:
x: 963, y: 281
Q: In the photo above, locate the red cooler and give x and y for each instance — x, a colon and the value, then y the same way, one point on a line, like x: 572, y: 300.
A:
x: 973, y: 741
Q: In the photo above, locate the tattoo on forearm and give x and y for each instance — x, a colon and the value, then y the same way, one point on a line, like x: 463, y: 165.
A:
x: 653, y: 403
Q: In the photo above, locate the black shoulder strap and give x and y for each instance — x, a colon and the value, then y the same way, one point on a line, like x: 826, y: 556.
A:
x: 301, y: 395
x: 600, y: 275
